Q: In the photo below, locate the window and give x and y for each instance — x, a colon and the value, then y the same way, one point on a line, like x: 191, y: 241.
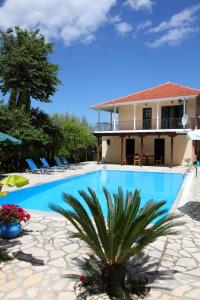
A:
x: 171, y: 116
x: 108, y: 142
x: 147, y: 116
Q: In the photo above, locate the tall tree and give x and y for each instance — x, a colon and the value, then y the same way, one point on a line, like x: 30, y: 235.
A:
x: 25, y: 69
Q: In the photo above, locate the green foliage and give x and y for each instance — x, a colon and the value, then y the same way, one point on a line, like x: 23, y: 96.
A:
x: 18, y: 124
x: 123, y: 233
x: 136, y: 285
x: 25, y: 71
x: 43, y: 135
x: 37, y: 131
x: 78, y: 141
x: 91, y: 271
x: 4, y: 256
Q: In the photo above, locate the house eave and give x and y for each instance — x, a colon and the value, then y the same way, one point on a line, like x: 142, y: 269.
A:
x: 110, y: 106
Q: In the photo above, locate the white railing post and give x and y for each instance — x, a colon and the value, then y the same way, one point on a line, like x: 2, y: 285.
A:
x: 134, y: 116
x: 158, y: 115
x: 114, y: 121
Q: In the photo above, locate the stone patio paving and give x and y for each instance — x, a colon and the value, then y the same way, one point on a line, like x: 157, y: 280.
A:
x: 47, y: 262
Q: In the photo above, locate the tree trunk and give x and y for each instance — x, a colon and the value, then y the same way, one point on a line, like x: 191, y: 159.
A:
x: 12, y: 103
x: 113, y: 277
x: 24, y: 101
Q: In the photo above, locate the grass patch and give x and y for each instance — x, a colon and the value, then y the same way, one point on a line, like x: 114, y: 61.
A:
x: 4, y: 256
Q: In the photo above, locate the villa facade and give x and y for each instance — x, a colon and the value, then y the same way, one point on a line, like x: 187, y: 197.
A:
x: 150, y: 126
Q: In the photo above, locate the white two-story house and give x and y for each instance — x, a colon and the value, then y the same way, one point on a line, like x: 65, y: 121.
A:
x: 150, y: 124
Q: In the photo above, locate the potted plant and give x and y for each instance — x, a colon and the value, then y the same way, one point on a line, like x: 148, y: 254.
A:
x: 11, y: 216
x: 11, y: 181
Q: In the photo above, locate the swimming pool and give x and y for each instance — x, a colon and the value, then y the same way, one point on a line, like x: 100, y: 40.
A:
x: 153, y: 185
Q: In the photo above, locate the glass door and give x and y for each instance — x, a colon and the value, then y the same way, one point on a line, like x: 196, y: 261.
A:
x: 147, y: 117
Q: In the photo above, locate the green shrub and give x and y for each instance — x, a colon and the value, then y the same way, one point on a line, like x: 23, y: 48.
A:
x: 124, y: 232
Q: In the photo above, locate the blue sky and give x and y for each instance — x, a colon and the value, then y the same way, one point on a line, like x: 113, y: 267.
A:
x: 112, y: 48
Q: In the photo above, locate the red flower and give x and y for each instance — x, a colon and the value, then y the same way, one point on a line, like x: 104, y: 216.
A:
x: 13, y: 213
x: 28, y: 216
x: 82, y: 278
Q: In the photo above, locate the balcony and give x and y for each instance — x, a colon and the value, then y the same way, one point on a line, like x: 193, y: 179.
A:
x: 151, y: 124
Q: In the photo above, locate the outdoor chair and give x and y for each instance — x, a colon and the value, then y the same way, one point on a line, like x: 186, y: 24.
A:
x: 46, y: 165
x: 64, y: 160
x: 66, y: 163
x: 35, y: 169
x: 59, y: 163
x: 159, y: 161
x: 125, y: 161
x: 137, y: 160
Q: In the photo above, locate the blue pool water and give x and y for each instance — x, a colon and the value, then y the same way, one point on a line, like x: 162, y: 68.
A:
x: 157, y: 186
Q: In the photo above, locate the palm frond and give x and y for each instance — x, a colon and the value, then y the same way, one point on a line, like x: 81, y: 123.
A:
x: 125, y: 230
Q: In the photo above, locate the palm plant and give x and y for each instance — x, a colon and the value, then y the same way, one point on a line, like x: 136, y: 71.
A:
x: 123, y: 233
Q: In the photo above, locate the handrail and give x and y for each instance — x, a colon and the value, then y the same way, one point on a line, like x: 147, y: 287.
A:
x: 148, y: 124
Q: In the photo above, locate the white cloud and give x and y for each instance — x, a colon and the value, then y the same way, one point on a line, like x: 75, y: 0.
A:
x: 174, y: 37
x: 183, y: 19
x: 180, y: 27
x: 123, y: 28
x: 140, y: 4
x: 68, y: 20
x: 115, y: 19
x: 144, y: 25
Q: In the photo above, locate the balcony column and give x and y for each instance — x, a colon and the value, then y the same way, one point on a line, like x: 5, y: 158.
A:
x: 134, y: 116
x: 114, y: 121
x: 99, y: 119
x: 158, y: 115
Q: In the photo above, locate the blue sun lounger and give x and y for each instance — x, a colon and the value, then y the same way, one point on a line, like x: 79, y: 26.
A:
x: 59, y: 163
x: 46, y: 165
x: 34, y: 169
x: 66, y: 163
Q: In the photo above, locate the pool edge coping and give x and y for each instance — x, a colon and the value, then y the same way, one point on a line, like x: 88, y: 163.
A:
x: 182, y: 196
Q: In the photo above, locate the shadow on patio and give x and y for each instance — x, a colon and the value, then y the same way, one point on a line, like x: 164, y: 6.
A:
x: 191, y: 209
x: 141, y: 266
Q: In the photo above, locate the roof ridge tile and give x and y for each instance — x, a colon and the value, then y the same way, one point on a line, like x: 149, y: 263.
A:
x: 155, y: 92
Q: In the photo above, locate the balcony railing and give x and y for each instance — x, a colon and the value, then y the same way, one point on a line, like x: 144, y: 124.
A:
x: 166, y: 123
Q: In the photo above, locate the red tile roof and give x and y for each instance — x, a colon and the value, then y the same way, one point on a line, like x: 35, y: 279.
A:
x: 166, y: 90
